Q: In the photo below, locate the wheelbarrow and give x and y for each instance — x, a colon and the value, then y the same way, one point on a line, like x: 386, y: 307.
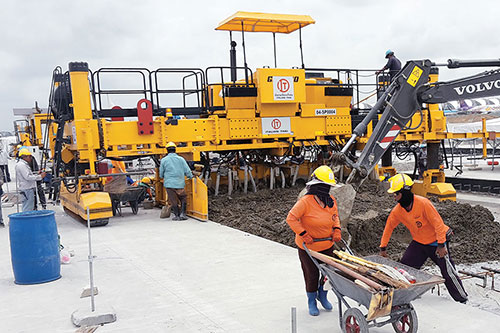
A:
x: 388, y: 306
x: 133, y: 195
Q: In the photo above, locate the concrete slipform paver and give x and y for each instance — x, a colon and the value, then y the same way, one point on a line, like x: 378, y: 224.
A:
x: 167, y: 276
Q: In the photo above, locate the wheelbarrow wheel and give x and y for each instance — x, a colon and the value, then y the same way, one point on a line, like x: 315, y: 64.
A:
x: 353, y: 321
x: 407, y: 323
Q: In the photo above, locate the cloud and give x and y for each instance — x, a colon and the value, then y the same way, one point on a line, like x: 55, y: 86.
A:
x: 37, y: 36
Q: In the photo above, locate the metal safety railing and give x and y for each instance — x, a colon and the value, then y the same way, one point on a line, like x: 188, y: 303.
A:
x: 192, y: 91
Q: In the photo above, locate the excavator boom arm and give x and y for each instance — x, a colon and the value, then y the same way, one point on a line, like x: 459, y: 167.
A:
x: 404, y: 97
x: 399, y: 104
x: 481, y: 85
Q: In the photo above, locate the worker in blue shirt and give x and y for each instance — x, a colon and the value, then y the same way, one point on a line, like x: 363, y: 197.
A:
x: 393, y: 65
x: 173, y: 168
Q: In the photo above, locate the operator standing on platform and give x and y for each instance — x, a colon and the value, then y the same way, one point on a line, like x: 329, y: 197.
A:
x: 27, y: 179
x: 393, y: 65
x: 173, y: 168
x: 315, y: 221
x: 430, y: 234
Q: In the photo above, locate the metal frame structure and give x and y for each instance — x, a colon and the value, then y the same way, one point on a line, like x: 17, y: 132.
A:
x: 273, y: 121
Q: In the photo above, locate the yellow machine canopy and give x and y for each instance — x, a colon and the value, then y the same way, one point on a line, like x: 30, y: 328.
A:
x: 263, y: 22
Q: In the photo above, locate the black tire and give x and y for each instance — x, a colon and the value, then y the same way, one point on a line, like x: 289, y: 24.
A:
x: 353, y: 321
x: 408, y: 323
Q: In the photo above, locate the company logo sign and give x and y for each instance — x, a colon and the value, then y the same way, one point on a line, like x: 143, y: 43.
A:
x: 477, y: 87
x: 283, y: 88
x: 276, y: 125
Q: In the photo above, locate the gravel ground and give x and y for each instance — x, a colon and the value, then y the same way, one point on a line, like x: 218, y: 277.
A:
x: 264, y: 213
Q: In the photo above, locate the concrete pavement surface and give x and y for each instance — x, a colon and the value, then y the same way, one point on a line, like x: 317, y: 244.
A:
x: 187, y: 276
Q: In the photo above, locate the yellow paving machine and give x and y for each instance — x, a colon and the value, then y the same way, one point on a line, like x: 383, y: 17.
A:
x: 240, y: 125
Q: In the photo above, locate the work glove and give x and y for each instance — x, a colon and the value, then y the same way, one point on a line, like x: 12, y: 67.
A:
x: 307, y: 238
x: 336, y: 235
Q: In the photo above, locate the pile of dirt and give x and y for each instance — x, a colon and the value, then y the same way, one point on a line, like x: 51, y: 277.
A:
x: 264, y: 214
x: 474, y: 227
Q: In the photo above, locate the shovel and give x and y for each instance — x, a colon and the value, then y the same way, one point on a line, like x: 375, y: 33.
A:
x: 380, y: 304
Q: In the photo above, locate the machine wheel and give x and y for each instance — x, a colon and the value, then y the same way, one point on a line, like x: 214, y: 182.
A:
x: 353, y: 321
x: 407, y: 323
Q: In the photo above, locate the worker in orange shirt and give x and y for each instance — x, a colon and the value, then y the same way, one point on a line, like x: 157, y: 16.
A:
x: 315, y: 221
x: 430, y: 234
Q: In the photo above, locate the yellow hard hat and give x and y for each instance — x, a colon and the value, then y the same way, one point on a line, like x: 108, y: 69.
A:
x: 18, y: 146
x: 171, y: 144
x: 322, y: 175
x: 146, y: 180
x: 399, y: 182
x: 24, y: 152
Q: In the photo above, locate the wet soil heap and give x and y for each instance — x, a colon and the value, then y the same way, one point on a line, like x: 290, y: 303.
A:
x: 475, y: 239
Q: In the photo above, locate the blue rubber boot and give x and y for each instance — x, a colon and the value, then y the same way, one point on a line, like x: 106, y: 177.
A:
x: 311, y: 302
x: 323, y: 300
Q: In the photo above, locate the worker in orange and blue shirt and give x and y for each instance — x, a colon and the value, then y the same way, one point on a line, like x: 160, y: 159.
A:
x: 430, y: 234
x: 315, y: 221
x: 146, y: 183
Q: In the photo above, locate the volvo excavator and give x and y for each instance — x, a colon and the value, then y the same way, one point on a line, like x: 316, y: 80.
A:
x: 411, y: 91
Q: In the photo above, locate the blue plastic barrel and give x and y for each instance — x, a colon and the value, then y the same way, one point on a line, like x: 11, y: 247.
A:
x: 34, y: 247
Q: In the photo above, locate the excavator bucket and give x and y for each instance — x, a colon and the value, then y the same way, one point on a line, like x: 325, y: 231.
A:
x: 197, y: 199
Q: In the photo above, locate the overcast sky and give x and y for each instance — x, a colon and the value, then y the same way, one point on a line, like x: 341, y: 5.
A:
x: 36, y: 36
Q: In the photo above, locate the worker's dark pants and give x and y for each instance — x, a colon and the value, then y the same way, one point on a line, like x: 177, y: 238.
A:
x: 5, y: 173
x: 176, y: 196
x: 415, y: 256
x: 311, y: 272
x: 41, y: 194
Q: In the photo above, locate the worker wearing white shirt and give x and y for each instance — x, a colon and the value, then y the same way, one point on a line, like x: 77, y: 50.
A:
x: 26, y: 180
x: 4, y: 163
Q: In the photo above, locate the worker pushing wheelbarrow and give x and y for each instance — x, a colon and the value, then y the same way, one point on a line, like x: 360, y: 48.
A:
x: 384, y: 287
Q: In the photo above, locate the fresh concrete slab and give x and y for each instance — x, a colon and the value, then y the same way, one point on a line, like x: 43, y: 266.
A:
x: 185, y: 276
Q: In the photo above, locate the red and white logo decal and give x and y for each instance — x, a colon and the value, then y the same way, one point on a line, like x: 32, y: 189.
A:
x: 283, y: 85
x: 283, y: 89
x: 276, y: 124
